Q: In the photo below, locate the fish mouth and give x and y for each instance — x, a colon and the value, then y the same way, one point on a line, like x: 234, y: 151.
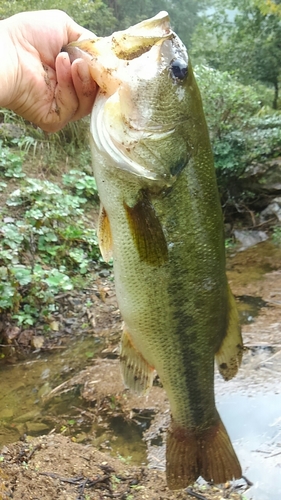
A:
x: 127, y: 44
x: 105, y: 144
x: 120, y: 48
x: 117, y: 152
x: 130, y: 44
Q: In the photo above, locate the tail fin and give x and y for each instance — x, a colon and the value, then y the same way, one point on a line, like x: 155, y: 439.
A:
x: 207, y: 453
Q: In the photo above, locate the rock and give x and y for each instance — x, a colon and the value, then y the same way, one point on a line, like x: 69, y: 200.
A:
x: 25, y: 337
x: 6, y: 413
x: 26, y: 417
x: 273, y: 209
x: 263, y: 177
x: 104, y: 273
x: 10, y: 131
x: 36, y: 427
x: 249, y: 238
x: 55, y: 326
x: 37, y: 342
x: 44, y: 390
x: 11, y: 333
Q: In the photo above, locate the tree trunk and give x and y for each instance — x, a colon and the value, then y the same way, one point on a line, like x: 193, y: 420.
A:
x: 276, y: 94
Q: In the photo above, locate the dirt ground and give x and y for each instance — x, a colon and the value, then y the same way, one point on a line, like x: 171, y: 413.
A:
x: 55, y: 467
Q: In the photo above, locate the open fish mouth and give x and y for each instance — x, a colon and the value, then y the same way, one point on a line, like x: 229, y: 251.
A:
x: 104, y: 142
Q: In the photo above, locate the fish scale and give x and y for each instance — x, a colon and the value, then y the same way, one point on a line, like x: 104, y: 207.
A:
x: 161, y: 221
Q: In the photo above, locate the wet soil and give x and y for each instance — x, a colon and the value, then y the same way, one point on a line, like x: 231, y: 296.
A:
x: 108, y: 443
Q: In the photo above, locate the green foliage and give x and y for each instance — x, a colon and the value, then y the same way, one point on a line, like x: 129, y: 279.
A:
x: 244, y: 44
x: 276, y: 236
x: 11, y: 162
x: 105, y: 16
x: 245, y: 41
x: 92, y: 14
x: 242, y: 129
x: 81, y: 183
x: 227, y: 103
x: 269, y: 7
x: 264, y: 137
x: 70, y: 145
x: 43, y: 250
x: 183, y: 13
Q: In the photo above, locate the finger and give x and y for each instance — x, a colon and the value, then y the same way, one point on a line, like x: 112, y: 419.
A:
x: 75, y: 32
x: 65, y: 103
x: 85, y: 87
x: 87, y: 35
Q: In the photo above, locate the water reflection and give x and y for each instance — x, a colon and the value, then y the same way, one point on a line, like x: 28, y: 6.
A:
x: 249, y: 307
x: 24, y: 384
x: 254, y: 424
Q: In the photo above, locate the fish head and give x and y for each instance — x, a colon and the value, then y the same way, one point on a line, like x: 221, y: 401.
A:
x: 149, y: 105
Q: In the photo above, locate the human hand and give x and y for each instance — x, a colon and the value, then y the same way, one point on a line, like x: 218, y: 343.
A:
x: 37, y: 81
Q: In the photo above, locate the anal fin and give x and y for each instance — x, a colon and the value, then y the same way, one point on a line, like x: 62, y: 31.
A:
x: 200, y: 452
x: 230, y: 353
x: 104, y: 235
x: 137, y: 373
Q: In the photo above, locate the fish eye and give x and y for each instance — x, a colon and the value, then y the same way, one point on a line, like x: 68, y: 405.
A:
x: 179, y: 69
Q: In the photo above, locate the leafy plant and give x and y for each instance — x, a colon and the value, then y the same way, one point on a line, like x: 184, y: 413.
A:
x: 276, y: 236
x: 11, y: 162
x: 44, y: 250
x: 81, y: 183
x: 242, y: 130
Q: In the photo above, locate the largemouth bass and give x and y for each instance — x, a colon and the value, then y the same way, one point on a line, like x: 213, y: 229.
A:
x: 161, y: 221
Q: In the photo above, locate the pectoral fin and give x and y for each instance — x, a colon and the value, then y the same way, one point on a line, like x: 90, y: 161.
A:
x: 137, y: 373
x: 229, y: 355
x: 147, y: 232
x: 104, y: 235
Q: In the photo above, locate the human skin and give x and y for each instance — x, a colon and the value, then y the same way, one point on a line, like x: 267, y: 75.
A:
x: 38, y: 81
